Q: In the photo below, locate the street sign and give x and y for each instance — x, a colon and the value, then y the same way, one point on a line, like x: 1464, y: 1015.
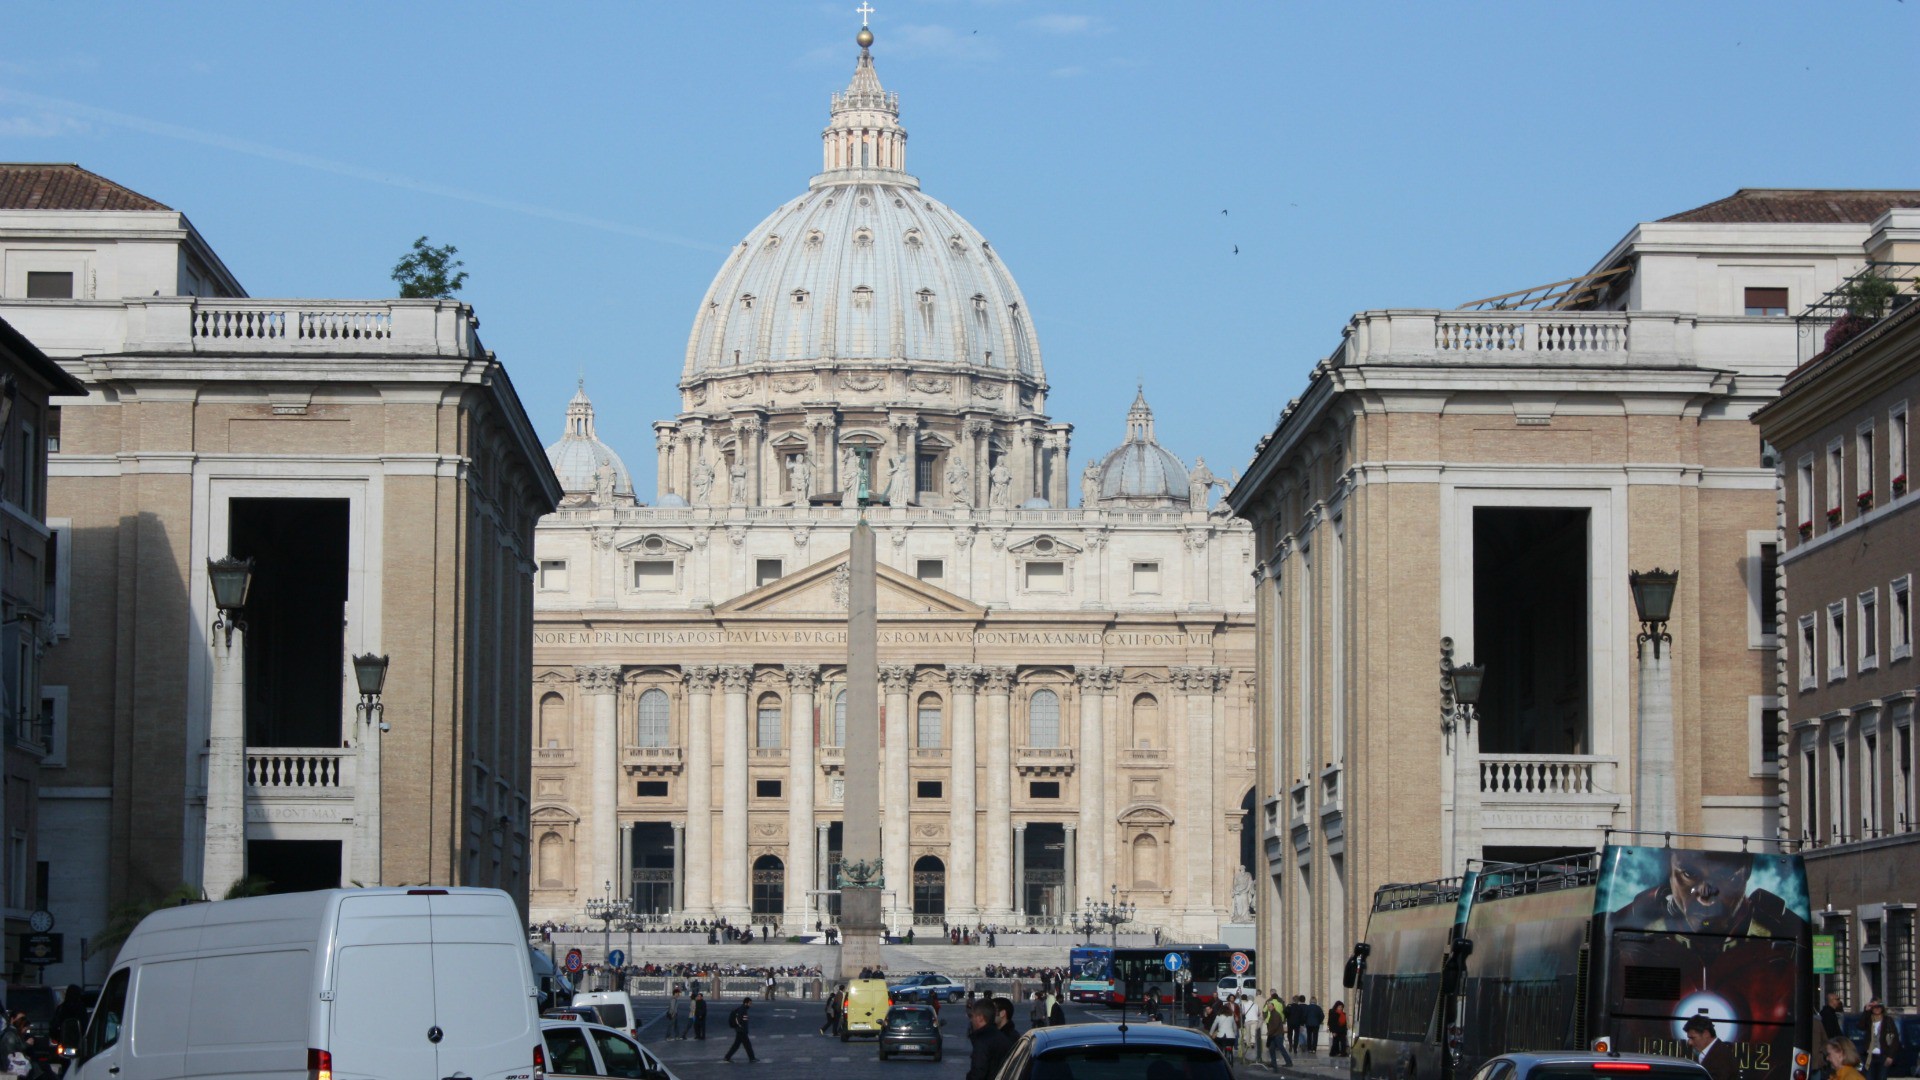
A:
x: 1174, y: 961
x: 574, y: 963
x: 1823, y: 954
x: 1239, y: 963
x: 1183, y: 976
x: 617, y: 957
x: 42, y: 949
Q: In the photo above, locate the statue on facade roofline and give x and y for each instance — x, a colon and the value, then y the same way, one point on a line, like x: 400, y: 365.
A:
x: 702, y: 482
x: 1090, y: 485
x: 800, y: 477
x: 957, y: 478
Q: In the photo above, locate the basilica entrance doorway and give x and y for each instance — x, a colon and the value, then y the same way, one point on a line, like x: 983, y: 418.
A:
x: 653, y: 858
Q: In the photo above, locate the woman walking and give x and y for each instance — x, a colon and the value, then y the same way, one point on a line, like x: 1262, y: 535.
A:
x: 1337, y: 1027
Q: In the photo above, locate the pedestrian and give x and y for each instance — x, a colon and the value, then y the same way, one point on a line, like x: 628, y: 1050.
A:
x: 1315, y: 1016
x: 1828, y: 1031
x: 1276, y: 1023
x: 1150, y: 1003
x: 1296, y: 1021
x: 700, y: 1016
x: 1843, y: 1059
x: 739, y: 1022
x: 768, y: 993
x: 1056, y: 1012
x: 1715, y: 1056
x: 15, y: 1057
x: 1037, y: 1015
x: 676, y: 1015
x: 1337, y: 1029
x: 1225, y: 1033
x: 990, y: 1043
x: 832, y: 1025
x: 1883, y: 1040
x: 1003, y: 1008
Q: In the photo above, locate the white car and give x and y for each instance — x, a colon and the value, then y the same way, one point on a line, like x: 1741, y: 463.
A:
x: 1236, y: 985
x: 576, y: 1049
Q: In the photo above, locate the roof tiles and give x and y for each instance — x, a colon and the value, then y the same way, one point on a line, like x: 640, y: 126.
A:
x: 1798, y: 206
x: 66, y: 187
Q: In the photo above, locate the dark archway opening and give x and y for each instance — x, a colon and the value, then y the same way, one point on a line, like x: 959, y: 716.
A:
x: 769, y: 889
x: 296, y: 617
x: 929, y: 891
x: 1044, y: 896
x: 653, y: 858
x: 1530, y: 586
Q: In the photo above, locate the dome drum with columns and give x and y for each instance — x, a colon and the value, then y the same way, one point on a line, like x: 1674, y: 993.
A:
x: 1067, y: 692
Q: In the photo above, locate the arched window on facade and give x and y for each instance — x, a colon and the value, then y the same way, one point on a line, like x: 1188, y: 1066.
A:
x: 651, y: 728
x: 553, y: 722
x: 926, y: 725
x: 1043, y: 719
x: 553, y: 852
x: 766, y: 731
x: 769, y: 888
x: 1146, y: 862
x: 840, y: 719
x: 929, y: 891
x: 1146, y: 723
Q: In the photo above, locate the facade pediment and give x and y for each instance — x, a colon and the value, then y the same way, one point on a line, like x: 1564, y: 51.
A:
x: 1046, y: 546
x: 821, y: 589
x: 652, y: 544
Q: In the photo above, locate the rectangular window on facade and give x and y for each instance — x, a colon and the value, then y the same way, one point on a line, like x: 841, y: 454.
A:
x: 1809, y: 785
x: 1864, y: 459
x: 1836, y: 482
x: 1900, y: 621
x: 653, y: 575
x: 923, y: 473
x: 927, y: 789
x: 765, y: 572
x: 766, y: 789
x: 1809, y: 663
x: 49, y: 284
x: 553, y: 575
x: 1046, y: 577
x: 1803, y: 497
x: 650, y: 789
x: 1770, y: 739
x: 931, y: 571
x: 1763, y: 573
x: 766, y: 731
x: 53, y: 711
x: 1766, y: 301
x: 1869, y: 629
x: 1842, y: 804
x: 1043, y: 789
x: 1903, y: 802
x: 1836, y: 641
x: 1899, y: 441
x: 53, y: 429
x: 1869, y: 786
x: 1146, y: 577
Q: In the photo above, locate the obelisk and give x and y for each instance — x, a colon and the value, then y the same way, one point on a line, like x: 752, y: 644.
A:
x: 860, y: 917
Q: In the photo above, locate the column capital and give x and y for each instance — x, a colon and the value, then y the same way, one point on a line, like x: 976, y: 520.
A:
x: 978, y: 428
x: 1070, y: 827
x: 597, y: 678
x: 903, y: 420
x: 819, y: 420
x: 700, y: 677
x: 1221, y: 677
x: 964, y: 678
x: 736, y: 678
x: 803, y: 676
x: 999, y: 680
x: 1019, y: 826
x: 896, y: 678
x: 1097, y: 678
x: 747, y: 425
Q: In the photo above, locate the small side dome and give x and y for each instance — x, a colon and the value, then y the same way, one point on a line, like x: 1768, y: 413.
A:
x: 1140, y: 472
x: 580, y: 460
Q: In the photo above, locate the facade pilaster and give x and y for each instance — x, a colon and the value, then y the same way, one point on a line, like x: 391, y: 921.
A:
x: 801, y: 680
x: 906, y: 451
x: 896, y: 682
x: 600, y: 684
x: 747, y: 431
x: 1196, y: 685
x: 963, y: 681
x: 696, y: 855
x: 822, y: 853
x: 1019, y: 870
x: 999, y: 817
x: 679, y: 867
x: 665, y: 436
x: 735, y: 902
x: 1095, y: 684
x: 826, y: 461
x: 623, y: 864
x: 1070, y: 881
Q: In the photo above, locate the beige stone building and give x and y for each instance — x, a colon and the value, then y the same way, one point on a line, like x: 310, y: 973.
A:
x: 373, y: 460
x: 1067, y: 689
x: 1491, y: 475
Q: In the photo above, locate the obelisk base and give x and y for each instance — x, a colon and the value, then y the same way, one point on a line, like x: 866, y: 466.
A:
x: 860, y: 929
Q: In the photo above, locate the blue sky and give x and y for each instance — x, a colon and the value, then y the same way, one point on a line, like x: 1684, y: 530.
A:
x: 594, y: 161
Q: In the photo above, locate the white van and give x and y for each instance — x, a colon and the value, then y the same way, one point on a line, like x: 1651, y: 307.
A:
x: 340, y: 983
x: 616, y: 1008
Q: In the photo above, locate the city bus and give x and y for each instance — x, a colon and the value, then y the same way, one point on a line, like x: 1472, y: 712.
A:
x: 1124, y: 976
x: 1609, y: 950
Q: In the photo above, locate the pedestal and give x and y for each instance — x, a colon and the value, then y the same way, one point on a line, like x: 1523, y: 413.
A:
x: 860, y: 928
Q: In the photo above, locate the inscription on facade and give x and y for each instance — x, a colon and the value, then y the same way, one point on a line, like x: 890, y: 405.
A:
x: 1115, y: 639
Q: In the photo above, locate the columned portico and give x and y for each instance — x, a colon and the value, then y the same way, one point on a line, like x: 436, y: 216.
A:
x: 735, y: 904
x: 963, y: 904
x: 999, y: 816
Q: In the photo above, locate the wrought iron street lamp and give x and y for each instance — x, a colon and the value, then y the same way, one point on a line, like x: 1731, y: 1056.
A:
x: 231, y: 579
x: 1653, y: 597
x: 370, y: 672
x: 1459, y: 689
x: 607, y: 911
x: 1112, y: 913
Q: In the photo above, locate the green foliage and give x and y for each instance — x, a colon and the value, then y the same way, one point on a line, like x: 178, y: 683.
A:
x: 1868, y: 294
x: 423, y: 273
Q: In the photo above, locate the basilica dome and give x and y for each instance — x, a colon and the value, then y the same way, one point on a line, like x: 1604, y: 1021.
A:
x: 579, y: 455
x: 1141, y: 472
x: 864, y: 266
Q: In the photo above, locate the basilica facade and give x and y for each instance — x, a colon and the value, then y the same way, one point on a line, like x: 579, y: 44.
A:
x: 1066, y: 689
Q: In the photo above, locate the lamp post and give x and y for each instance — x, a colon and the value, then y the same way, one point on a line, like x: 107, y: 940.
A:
x: 1655, y: 803
x: 370, y: 672
x: 607, y: 911
x: 1112, y: 913
x: 1460, y: 686
x: 223, y: 858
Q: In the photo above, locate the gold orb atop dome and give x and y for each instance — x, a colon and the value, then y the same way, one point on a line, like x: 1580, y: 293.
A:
x: 864, y: 38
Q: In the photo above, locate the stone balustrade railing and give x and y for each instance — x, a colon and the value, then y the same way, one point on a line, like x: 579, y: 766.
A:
x: 652, y: 760
x: 1550, y: 338
x: 170, y: 324
x: 1537, y: 776
x: 285, y: 770
x: 1043, y: 760
x: 929, y: 753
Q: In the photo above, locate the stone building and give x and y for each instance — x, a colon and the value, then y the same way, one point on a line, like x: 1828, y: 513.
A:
x: 374, y: 461
x: 1482, y: 481
x: 1066, y: 689
x: 1849, y: 551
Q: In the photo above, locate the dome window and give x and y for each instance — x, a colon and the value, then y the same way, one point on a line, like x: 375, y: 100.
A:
x: 863, y: 237
x: 773, y: 241
x: 913, y: 238
x: 816, y: 238
x: 746, y: 301
x: 980, y: 303
x: 958, y: 245
x: 799, y: 297
x: 862, y: 296
x: 926, y: 297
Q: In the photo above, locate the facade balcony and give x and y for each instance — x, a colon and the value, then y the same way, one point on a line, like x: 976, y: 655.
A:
x: 1043, y: 760
x: 1532, y: 800
x: 1400, y: 344
x: 301, y: 785
x: 833, y: 760
x: 227, y: 325
x: 652, y: 760
x: 769, y: 755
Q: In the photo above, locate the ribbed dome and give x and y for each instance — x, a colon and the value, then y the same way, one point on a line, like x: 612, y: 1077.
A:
x: 863, y: 267
x: 577, y: 457
x: 1140, y: 469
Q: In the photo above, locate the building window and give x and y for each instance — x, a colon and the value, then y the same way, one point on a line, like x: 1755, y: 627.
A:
x: 1146, y: 577
x: 1903, y: 807
x: 767, y: 725
x: 1763, y: 573
x: 553, y: 575
x: 927, y: 789
x: 1046, y: 577
x: 1863, y: 461
x: 1810, y: 796
x: 653, y: 575
x: 1836, y: 483
x: 1900, y: 966
x: 765, y: 572
x: 1809, y: 663
x: 17, y: 870
x: 1869, y: 786
x: 1766, y: 301
x: 53, y: 429
x: 766, y: 789
x: 53, y: 710
x: 1899, y: 438
x: 931, y: 571
x: 1803, y: 495
x: 924, y: 471
x: 1869, y: 629
x: 49, y: 284
x: 650, y: 789
x: 1043, y: 789
x: 839, y: 719
x: 652, y: 727
x: 1900, y: 625
x: 1836, y: 641
x: 926, y: 724
x: 1839, y: 785
x: 1043, y: 719
x: 1763, y: 719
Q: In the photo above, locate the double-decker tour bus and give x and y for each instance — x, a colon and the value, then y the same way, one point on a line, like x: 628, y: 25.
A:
x: 1610, y: 950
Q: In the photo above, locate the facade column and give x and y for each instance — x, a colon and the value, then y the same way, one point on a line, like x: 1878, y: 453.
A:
x: 664, y: 436
x: 999, y: 817
x: 679, y: 868
x: 746, y: 431
x: 623, y: 875
x: 826, y: 462
x: 896, y: 680
x: 801, y: 679
x: 223, y: 858
x: 735, y: 902
x: 906, y: 454
x: 1095, y: 683
x: 1070, y: 883
x: 822, y: 860
x: 1019, y: 870
x: 601, y: 685
x: 962, y: 903
x: 696, y: 852
x: 1195, y: 898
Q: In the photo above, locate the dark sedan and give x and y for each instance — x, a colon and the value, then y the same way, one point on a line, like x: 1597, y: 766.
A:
x: 1115, y: 1052
x: 910, y: 1029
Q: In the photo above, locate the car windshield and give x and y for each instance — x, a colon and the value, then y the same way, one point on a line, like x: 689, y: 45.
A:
x: 1139, y: 1062
x: 910, y: 1018
x: 612, y: 1015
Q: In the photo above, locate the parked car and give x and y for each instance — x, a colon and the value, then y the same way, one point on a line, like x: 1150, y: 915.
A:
x: 926, y: 987
x: 1115, y: 1052
x: 1580, y: 1065
x: 1235, y: 985
x: 910, y: 1030
x: 580, y: 1049
x: 582, y: 1014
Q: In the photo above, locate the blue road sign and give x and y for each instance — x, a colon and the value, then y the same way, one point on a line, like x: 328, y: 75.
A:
x: 1174, y: 961
x: 1240, y: 963
x: 573, y: 961
x: 617, y: 957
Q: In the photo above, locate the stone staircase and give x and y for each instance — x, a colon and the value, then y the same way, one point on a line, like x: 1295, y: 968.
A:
x: 962, y: 960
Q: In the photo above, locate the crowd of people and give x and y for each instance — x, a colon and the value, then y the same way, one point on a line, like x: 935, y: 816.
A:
x: 1246, y: 1027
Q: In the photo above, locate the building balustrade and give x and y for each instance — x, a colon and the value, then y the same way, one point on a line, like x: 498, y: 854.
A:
x: 1043, y: 760
x: 930, y: 753
x: 833, y: 759
x: 770, y: 755
x: 304, y: 772
x: 192, y: 324
x: 1541, y: 777
x: 1552, y: 338
x: 652, y: 760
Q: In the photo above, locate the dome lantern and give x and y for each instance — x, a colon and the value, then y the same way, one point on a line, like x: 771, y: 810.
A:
x: 863, y: 135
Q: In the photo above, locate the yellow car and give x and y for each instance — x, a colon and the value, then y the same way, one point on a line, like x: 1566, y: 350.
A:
x: 865, y: 1011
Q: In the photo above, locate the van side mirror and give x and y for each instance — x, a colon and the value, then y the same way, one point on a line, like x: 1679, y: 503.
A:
x: 1352, y: 976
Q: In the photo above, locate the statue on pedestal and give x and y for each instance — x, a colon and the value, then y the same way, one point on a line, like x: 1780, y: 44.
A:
x: 999, y: 486
x: 957, y: 478
x: 702, y: 482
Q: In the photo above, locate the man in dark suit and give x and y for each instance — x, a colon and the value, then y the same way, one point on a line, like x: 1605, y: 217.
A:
x: 1715, y: 1056
x: 739, y: 1021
